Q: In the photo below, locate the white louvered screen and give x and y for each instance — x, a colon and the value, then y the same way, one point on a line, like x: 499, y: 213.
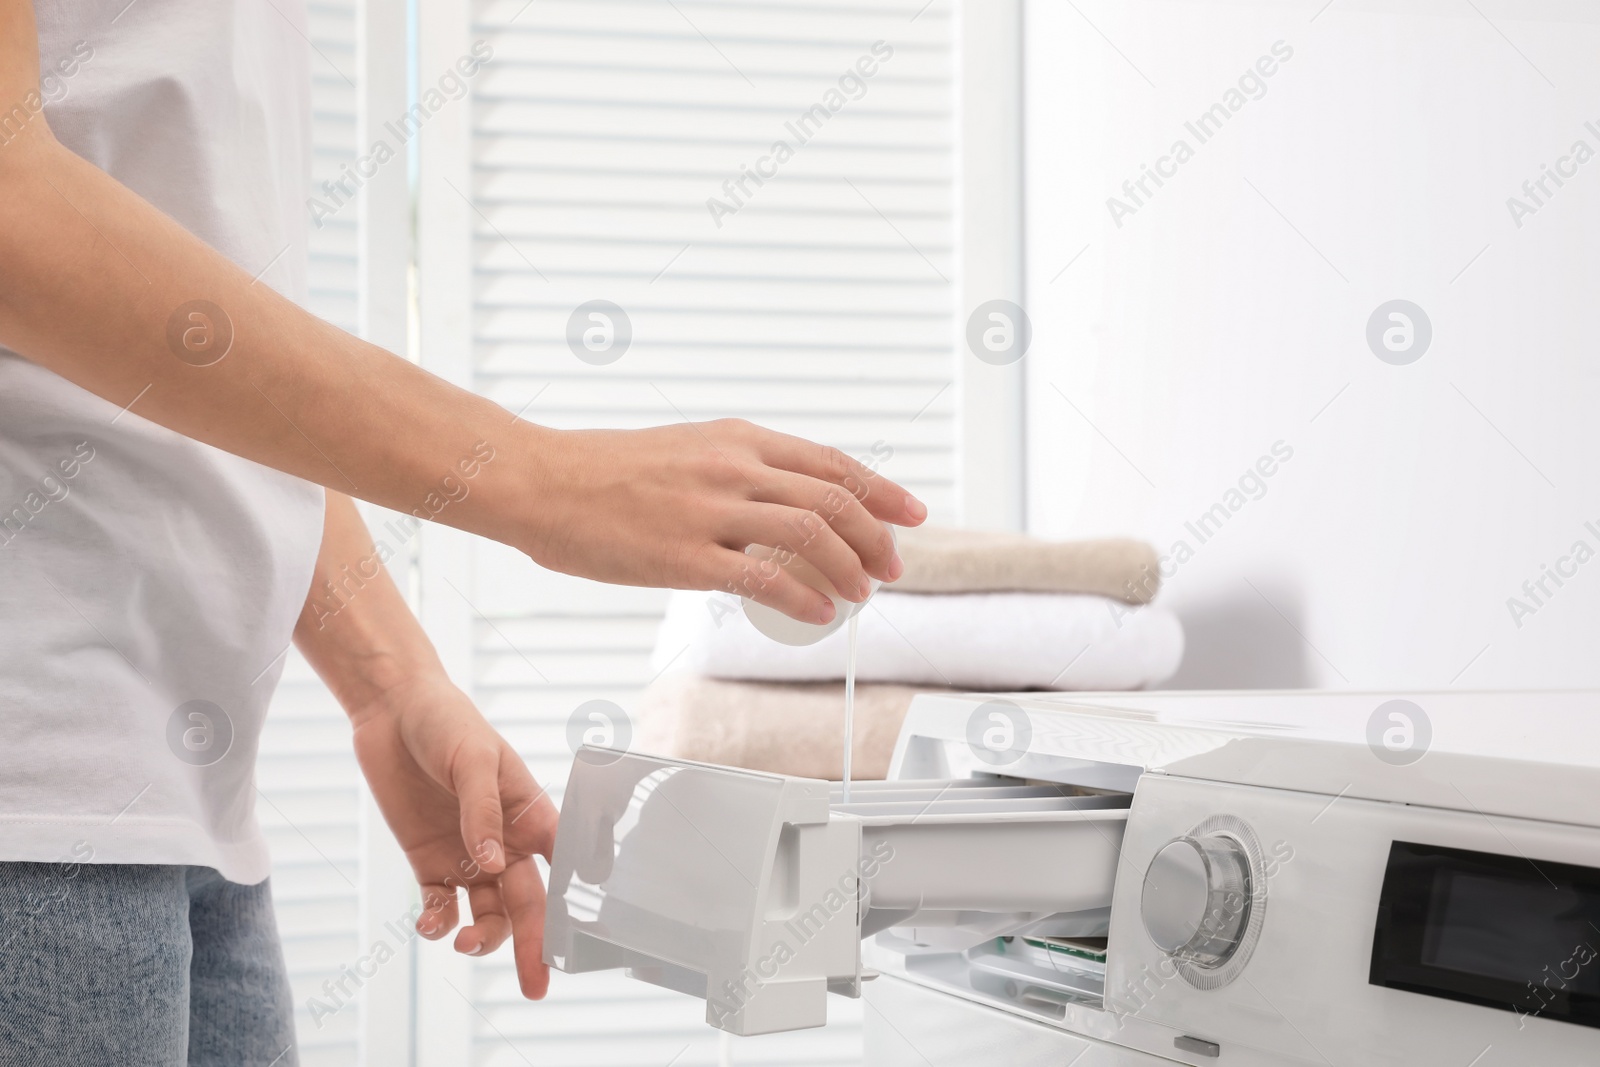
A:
x: 823, y: 306
x: 310, y: 800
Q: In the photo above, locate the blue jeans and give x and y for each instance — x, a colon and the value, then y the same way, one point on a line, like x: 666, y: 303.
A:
x: 134, y: 965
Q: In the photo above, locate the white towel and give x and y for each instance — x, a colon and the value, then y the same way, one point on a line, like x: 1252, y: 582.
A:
x: 996, y: 642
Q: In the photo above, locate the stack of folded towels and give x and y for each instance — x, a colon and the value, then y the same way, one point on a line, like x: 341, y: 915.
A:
x: 973, y: 611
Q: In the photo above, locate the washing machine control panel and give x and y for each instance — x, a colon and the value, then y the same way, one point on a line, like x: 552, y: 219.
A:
x: 1259, y: 919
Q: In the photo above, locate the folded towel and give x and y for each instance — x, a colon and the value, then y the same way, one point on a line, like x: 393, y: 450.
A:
x: 998, y: 642
x: 766, y: 726
x: 944, y: 560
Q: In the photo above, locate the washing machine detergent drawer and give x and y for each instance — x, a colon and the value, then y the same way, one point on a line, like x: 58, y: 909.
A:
x: 753, y: 891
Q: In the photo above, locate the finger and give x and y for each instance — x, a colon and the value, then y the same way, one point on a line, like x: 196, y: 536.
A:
x: 795, y: 532
x: 490, y: 923
x: 439, y: 913
x: 867, y: 539
x: 763, y: 581
x: 532, y: 815
x: 523, y: 891
x: 882, y: 497
x: 475, y: 775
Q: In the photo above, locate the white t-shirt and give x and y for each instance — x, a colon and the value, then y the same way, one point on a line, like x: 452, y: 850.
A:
x: 149, y: 584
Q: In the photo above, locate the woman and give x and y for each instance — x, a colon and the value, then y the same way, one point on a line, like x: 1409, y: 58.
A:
x: 180, y: 444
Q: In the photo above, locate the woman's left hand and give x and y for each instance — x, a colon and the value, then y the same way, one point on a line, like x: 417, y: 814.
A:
x: 468, y: 814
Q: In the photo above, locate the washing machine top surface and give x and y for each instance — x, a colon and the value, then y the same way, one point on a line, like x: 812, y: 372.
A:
x: 1531, y: 754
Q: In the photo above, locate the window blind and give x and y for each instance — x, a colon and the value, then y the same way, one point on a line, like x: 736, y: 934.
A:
x: 628, y: 151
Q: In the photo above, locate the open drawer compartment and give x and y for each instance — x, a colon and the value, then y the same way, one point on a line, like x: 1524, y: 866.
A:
x: 982, y: 857
x: 754, y: 890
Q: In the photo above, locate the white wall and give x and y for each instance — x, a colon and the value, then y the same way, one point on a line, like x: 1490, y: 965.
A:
x: 1229, y: 313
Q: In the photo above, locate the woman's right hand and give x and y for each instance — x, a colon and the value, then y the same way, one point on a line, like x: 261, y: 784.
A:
x: 676, y: 506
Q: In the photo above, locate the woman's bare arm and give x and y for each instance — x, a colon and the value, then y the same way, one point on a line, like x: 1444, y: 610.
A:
x: 459, y: 799
x: 97, y: 285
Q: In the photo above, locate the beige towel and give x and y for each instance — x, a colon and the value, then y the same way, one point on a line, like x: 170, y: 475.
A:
x: 944, y: 560
x: 786, y: 728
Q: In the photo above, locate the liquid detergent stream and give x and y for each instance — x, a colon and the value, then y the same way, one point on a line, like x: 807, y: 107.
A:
x: 788, y: 631
x: 850, y: 698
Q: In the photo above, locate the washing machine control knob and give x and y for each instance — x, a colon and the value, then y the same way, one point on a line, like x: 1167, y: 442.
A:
x: 1196, y: 901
